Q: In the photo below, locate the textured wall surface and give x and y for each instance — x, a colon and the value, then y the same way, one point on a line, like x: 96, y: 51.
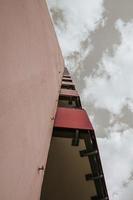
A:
x: 31, y: 67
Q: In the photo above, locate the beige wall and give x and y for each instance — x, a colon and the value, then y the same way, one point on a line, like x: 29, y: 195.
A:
x: 30, y: 61
x: 65, y: 173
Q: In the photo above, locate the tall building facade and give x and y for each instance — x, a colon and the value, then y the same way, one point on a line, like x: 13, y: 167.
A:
x: 38, y: 101
x: 30, y: 76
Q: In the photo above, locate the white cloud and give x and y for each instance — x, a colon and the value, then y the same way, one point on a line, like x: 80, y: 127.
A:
x: 110, y: 87
x: 117, y: 158
x: 79, y: 18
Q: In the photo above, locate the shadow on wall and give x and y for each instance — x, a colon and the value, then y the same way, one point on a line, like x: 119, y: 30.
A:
x: 65, y: 173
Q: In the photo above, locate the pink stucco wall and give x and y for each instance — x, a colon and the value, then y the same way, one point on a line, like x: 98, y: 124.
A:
x: 31, y: 67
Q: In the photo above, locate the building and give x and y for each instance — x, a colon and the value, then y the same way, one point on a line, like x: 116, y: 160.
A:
x: 31, y: 75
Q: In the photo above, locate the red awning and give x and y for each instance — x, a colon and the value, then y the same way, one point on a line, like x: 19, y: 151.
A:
x: 66, y: 92
x: 72, y: 118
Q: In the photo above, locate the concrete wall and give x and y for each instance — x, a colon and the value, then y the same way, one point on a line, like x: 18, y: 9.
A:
x: 31, y: 67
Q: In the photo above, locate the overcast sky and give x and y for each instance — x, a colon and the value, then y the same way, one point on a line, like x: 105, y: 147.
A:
x: 96, y: 38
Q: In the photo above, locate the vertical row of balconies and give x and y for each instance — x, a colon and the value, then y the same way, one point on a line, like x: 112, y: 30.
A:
x: 72, y: 121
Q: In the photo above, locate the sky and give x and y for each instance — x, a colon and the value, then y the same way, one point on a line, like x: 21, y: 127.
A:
x: 96, y: 38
